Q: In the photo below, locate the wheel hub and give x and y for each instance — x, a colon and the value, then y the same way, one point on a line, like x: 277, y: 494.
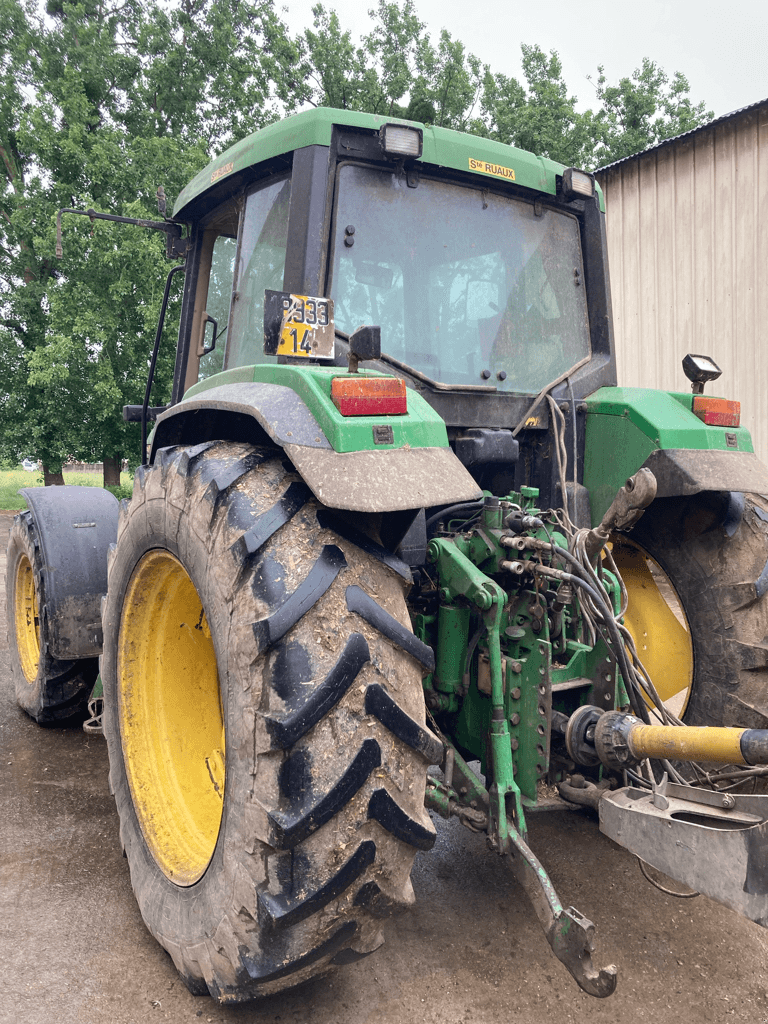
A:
x: 170, y: 715
x: 27, y: 620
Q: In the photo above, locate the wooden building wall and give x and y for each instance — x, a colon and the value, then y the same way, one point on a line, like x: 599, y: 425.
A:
x: 687, y: 227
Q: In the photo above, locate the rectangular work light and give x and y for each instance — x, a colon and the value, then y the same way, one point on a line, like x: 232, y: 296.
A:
x: 397, y: 140
x: 577, y: 183
x: 369, y: 396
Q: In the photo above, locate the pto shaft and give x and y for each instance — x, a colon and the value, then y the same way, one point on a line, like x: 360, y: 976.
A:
x: 620, y: 740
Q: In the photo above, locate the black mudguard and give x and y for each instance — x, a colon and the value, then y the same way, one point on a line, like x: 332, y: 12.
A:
x: 76, y: 525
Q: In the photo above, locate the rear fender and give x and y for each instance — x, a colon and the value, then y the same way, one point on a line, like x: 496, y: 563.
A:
x: 385, y: 480
x: 630, y: 428
x: 76, y: 525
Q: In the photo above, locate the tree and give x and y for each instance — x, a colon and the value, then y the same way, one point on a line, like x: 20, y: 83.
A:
x: 398, y: 71
x: 642, y: 111
x: 104, y: 100
x: 541, y: 118
x: 90, y: 117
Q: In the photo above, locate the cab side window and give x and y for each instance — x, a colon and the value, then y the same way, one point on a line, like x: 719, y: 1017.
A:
x: 260, y: 265
x: 217, y: 305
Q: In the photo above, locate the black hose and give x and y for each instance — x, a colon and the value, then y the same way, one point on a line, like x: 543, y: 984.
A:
x: 635, y: 699
x: 462, y: 507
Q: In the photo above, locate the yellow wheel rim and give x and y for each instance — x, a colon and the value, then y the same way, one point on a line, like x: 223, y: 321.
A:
x: 171, y: 720
x: 27, y: 620
x: 657, y: 622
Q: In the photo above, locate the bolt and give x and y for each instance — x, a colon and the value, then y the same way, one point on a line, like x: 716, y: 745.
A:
x: 515, y: 666
x: 485, y: 374
x: 514, y: 719
x: 515, y: 694
x: 728, y: 801
x: 514, y: 744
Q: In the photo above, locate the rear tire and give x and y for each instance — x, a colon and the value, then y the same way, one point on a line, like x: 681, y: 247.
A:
x: 321, y: 771
x: 48, y: 689
x: 714, y: 549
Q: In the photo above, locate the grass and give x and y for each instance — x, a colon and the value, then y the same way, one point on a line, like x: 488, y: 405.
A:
x: 12, y: 479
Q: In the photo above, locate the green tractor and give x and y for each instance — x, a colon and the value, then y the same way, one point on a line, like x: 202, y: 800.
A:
x: 399, y: 544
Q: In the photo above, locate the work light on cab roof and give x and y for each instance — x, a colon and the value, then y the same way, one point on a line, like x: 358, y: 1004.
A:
x: 400, y: 141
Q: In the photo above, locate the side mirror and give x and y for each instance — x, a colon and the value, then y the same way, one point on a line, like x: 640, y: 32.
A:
x: 364, y: 343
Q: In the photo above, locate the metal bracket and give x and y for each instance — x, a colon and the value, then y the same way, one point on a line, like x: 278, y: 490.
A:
x: 713, y: 842
x: 175, y: 246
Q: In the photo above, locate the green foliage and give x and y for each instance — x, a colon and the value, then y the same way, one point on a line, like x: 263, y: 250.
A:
x: 398, y: 71
x: 643, y: 110
x: 12, y: 480
x: 102, y: 102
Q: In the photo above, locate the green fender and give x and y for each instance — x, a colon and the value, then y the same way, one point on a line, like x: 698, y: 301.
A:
x: 382, y: 463
x: 628, y: 428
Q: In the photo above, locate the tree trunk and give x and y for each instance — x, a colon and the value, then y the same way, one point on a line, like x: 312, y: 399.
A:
x: 52, y: 479
x: 112, y: 471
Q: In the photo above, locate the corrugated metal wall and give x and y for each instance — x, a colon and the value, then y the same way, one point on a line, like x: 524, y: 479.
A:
x: 687, y: 231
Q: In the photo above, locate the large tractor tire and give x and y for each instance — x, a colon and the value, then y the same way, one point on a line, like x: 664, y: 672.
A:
x: 265, y: 722
x: 48, y: 689
x: 713, y: 550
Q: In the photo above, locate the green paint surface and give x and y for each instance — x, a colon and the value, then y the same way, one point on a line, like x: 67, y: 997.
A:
x: 624, y: 425
x: 420, y: 427
x: 442, y: 147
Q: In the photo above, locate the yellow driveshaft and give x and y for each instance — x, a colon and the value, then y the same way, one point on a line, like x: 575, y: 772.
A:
x: 618, y: 734
x: 621, y: 740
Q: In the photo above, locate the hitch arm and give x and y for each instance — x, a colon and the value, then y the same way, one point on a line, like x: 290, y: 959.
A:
x: 568, y: 932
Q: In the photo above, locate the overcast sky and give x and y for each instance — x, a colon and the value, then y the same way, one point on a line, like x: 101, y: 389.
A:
x: 721, y: 48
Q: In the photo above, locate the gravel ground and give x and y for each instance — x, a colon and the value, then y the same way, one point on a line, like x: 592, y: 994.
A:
x: 74, y: 950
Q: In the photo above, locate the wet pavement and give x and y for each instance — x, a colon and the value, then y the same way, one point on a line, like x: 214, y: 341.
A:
x: 73, y: 948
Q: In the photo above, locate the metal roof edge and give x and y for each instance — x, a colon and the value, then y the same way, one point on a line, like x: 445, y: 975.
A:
x: 683, y: 135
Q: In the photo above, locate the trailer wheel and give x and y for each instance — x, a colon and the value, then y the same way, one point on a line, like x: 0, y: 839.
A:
x: 265, y: 722
x: 713, y: 550
x: 48, y: 689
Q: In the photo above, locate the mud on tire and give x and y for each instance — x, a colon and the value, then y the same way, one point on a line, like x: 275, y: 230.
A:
x: 325, y: 745
x: 714, y: 549
x: 47, y: 688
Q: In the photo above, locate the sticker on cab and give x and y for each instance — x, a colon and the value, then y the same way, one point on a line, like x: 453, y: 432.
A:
x: 300, y: 326
x: 497, y: 170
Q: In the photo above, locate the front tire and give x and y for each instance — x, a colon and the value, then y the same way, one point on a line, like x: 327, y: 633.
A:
x: 265, y: 722
x: 50, y: 690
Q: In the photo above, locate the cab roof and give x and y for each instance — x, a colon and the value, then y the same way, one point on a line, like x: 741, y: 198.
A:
x: 442, y: 146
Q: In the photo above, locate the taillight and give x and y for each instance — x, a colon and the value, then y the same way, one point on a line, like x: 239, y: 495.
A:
x: 369, y: 396
x: 717, y: 412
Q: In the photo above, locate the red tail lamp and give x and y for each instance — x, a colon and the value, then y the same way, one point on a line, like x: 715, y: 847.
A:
x: 717, y: 412
x: 369, y: 396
